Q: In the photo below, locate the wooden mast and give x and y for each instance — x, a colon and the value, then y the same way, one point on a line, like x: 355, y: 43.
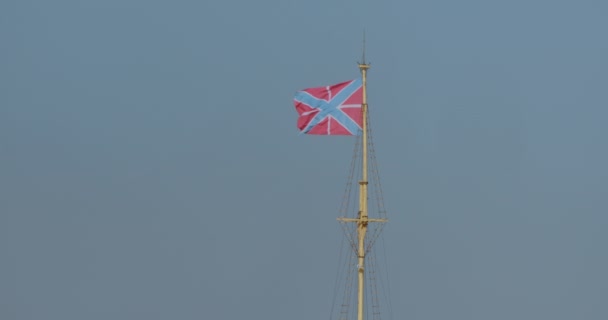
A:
x: 362, y: 219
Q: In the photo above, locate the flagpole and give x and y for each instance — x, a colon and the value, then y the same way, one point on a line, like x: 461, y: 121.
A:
x: 363, y: 216
x: 362, y: 219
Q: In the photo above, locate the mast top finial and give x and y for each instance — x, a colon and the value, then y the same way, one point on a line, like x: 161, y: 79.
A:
x: 363, y: 64
x: 363, y: 60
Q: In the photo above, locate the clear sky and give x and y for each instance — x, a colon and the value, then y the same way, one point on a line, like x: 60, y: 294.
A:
x: 150, y: 166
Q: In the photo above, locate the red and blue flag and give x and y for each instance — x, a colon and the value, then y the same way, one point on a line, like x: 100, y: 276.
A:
x: 331, y: 110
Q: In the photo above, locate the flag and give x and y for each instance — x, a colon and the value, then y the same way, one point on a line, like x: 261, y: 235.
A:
x: 331, y: 110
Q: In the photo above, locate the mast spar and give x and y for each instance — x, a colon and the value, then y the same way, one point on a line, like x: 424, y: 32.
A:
x: 362, y: 219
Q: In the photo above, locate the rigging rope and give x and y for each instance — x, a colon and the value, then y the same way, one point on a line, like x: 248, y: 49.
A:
x: 348, y: 259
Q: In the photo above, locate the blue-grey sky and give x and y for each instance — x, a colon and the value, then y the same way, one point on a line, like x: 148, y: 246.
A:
x: 150, y: 167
